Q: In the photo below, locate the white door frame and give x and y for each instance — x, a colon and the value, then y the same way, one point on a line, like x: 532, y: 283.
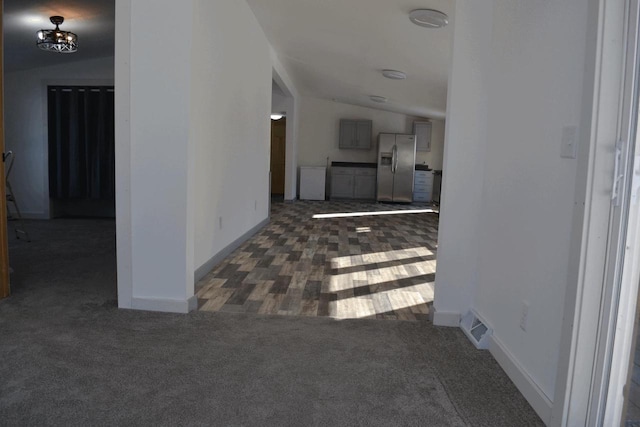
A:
x: 281, y: 77
x: 624, y: 268
x: 592, y: 299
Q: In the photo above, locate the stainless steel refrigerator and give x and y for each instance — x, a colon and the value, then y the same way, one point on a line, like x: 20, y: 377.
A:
x: 396, y: 163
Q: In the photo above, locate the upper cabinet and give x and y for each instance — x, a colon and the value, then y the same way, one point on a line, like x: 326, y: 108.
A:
x: 422, y: 130
x: 355, y: 134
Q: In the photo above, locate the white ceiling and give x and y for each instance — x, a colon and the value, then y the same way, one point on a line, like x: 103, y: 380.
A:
x: 93, y: 21
x: 335, y: 49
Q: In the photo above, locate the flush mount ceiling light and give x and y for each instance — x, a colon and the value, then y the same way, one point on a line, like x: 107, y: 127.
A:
x: 394, y: 74
x: 379, y: 99
x: 429, y: 18
x: 57, y: 40
x: 277, y: 116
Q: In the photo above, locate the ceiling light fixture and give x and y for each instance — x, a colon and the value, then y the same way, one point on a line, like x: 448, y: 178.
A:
x: 57, y: 40
x: 394, y: 74
x: 429, y: 18
x: 379, y: 99
x: 277, y: 116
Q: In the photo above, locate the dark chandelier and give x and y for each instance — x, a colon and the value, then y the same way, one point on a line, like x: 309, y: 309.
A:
x: 57, y: 40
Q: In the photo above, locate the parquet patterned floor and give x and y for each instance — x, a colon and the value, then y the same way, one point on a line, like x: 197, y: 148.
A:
x: 377, y: 261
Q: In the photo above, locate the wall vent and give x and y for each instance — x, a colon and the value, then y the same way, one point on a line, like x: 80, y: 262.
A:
x: 476, y: 330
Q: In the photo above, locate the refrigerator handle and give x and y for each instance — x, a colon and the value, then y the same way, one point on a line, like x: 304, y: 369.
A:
x: 394, y: 160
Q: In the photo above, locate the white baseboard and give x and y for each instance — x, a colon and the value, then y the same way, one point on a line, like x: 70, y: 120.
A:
x: 165, y: 305
x: 444, y: 318
x: 523, y: 381
x: 226, y: 251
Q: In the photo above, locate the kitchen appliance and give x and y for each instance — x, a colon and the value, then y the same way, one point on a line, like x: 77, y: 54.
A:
x: 396, y: 162
x: 312, y: 183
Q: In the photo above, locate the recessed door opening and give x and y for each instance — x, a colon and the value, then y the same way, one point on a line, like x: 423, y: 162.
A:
x: 59, y: 156
x: 278, y: 156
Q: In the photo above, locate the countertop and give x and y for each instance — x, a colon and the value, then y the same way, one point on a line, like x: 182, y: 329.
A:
x: 354, y: 165
x: 373, y: 166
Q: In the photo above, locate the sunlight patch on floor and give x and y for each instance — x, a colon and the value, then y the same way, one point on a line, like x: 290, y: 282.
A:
x: 355, y: 214
x: 342, y: 282
x: 417, y: 297
x: 377, y: 257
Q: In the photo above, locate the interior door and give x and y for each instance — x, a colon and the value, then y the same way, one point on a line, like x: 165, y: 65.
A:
x: 4, y: 250
x: 278, y: 152
x: 405, y: 165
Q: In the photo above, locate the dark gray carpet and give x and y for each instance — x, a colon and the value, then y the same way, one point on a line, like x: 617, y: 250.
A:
x: 68, y: 356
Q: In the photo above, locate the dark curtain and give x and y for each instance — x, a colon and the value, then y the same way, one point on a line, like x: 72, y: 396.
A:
x: 81, y: 143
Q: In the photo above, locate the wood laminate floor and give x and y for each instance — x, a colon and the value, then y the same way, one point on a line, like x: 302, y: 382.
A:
x: 335, y: 259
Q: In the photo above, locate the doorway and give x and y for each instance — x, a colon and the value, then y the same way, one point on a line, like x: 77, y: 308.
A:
x: 278, y: 156
x: 81, y: 151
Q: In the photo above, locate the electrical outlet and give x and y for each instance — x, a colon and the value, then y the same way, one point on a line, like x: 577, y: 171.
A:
x: 524, y: 315
x: 220, y: 222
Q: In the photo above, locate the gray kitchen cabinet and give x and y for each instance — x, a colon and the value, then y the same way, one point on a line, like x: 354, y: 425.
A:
x: 353, y: 183
x: 341, y: 183
x: 364, y: 184
x: 355, y: 134
x: 422, y: 186
x: 422, y: 130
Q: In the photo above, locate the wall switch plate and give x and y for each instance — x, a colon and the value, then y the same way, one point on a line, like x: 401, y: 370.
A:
x: 569, y: 142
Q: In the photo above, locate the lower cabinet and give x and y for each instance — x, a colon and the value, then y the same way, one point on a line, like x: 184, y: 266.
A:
x: 353, y: 183
x: 341, y: 186
x: 422, y: 186
x: 364, y: 187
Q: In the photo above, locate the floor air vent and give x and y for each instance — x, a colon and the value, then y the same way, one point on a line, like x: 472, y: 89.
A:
x: 476, y: 330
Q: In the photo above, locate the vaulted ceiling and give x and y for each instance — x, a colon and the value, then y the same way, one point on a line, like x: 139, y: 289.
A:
x: 336, y: 49
x: 333, y: 49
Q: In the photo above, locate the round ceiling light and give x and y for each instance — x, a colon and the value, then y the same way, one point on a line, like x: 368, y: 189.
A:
x: 379, y: 99
x: 429, y: 18
x: 394, y: 74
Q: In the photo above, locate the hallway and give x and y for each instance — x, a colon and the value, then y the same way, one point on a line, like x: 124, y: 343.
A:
x: 331, y: 259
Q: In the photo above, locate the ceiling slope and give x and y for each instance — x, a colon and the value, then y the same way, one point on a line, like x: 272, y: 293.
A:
x: 336, y: 49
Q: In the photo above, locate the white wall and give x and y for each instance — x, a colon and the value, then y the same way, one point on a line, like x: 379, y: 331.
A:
x: 279, y: 103
x: 508, y: 197
x: 192, y: 143
x: 26, y: 125
x: 160, y: 156
x: 461, y: 194
x: 319, y: 133
x: 529, y: 190
x: 230, y: 123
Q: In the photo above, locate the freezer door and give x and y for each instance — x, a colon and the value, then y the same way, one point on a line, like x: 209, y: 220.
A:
x: 404, y: 167
x: 386, y: 144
